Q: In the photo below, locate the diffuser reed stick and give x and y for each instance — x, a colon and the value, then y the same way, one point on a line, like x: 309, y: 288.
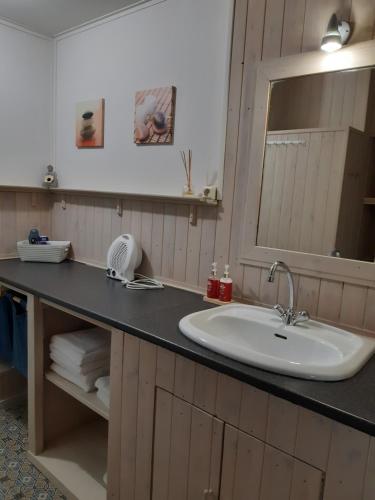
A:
x: 187, y: 162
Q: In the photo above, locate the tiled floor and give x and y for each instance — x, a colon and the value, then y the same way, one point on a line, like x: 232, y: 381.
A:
x: 19, y: 479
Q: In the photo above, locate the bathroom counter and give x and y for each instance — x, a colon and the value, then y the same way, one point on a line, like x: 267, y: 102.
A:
x: 153, y: 316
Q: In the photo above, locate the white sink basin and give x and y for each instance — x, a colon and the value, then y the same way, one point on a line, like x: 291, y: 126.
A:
x: 256, y: 336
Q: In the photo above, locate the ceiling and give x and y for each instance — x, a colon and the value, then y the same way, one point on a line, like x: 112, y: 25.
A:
x: 51, y: 17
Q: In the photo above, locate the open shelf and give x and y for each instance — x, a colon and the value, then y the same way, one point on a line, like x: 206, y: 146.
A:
x: 77, y: 461
x: 185, y: 200
x: 89, y: 399
x: 369, y: 201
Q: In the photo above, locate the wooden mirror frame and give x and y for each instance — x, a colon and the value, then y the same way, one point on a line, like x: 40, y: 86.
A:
x: 357, y: 56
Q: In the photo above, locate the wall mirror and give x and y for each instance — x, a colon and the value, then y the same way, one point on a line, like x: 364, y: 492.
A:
x: 318, y: 183
x: 311, y: 197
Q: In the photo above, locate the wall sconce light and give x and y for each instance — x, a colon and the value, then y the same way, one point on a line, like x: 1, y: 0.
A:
x: 336, y: 36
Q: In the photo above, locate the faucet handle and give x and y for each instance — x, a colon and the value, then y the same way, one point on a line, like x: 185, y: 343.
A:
x: 301, y: 317
x: 280, y: 309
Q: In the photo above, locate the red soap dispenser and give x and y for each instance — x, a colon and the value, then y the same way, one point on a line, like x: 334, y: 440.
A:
x: 213, y: 283
x: 226, y: 286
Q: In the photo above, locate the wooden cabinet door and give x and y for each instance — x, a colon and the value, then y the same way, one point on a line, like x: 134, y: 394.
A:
x: 187, y: 451
x: 253, y: 470
x: 242, y: 466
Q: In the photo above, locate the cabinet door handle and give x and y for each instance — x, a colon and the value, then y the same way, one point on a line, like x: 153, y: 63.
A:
x: 208, y: 494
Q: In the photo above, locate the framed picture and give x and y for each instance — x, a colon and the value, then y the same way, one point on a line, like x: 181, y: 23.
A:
x: 154, y: 116
x: 90, y: 124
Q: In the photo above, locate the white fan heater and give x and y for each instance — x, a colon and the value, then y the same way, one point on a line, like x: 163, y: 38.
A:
x: 123, y: 258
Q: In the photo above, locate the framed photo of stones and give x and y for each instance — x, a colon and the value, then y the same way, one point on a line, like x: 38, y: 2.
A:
x: 90, y: 124
x: 154, y: 116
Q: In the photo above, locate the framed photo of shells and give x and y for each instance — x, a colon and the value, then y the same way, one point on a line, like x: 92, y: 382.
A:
x: 154, y: 116
x: 90, y: 124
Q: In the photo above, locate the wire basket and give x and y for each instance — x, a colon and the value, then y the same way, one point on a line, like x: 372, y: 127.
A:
x: 52, y: 251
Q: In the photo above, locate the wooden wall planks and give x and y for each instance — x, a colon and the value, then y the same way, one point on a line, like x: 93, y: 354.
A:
x: 19, y: 212
x: 174, y: 249
x: 180, y: 253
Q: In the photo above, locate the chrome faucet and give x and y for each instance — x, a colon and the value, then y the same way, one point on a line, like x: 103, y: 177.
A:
x: 289, y: 315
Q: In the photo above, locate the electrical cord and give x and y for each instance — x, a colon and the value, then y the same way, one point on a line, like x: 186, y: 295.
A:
x: 143, y: 283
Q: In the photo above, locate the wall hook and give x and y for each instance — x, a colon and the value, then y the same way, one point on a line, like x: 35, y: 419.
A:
x: 193, y: 215
x: 119, y: 208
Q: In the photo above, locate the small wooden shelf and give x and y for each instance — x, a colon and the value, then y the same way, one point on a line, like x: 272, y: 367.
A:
x: 88, y: 399
x: 217, y: 301
x: 369, y: 201
x: 185, y: 200
x: 77, y: 461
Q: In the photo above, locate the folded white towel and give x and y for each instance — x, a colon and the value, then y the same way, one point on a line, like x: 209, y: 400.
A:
x: 85, y: 382
x: 103, y: 384
x: 66, y: 362
x: 80, y: 360
x: 103, y: 397
x: 83, y: 345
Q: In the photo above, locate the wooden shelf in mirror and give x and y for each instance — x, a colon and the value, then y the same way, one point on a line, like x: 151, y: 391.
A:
x: 89, y: 399
x: 369, y: 201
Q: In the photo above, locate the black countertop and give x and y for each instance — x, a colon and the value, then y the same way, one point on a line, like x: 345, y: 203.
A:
x: 153, y: 315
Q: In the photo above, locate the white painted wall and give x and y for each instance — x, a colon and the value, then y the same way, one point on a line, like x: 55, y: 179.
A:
x: 26, y: 72
x: 184, y: 43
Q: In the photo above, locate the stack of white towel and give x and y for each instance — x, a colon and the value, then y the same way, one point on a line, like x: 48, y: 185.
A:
x: 81, y: 357
x: 102, y: 384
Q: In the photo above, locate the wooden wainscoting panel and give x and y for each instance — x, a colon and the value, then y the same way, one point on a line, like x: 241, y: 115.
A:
x: 162, y: 445
x: 369, y: 489
x: 242, y: 465
x: 193, y: 252
x: 277, y: 475
x: 353, y: 305
x: 19, y: 212
x: 369, y: 322
x: 330, y: 297
x: 254, y: 411
x: 347, y: 463
x: 181, y: 243
x: 235, y: 104
x: 285, y: 478
x: 205, y: 455
x: 282, y: 424
x: 294, y: 14
x: 228, y: 399
x: 169, y: 235
x: 313, y: 438
x: 205, y: 388
x: 115, y: 415
x: 129, y: 417
x: 145, y: 419
x: 184, y: 379
x: 307, y: 482
x: 363, y: 18
x: 157, y: 238
x: 165, y: 367
x: 8, y: 224
x: 273, y: 29
x: 36, y: 366
x: 179, y: 453
x: 187, y: 450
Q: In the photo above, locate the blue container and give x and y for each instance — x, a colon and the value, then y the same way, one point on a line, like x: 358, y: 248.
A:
x: 6, y: 329
x: 19, y: 316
